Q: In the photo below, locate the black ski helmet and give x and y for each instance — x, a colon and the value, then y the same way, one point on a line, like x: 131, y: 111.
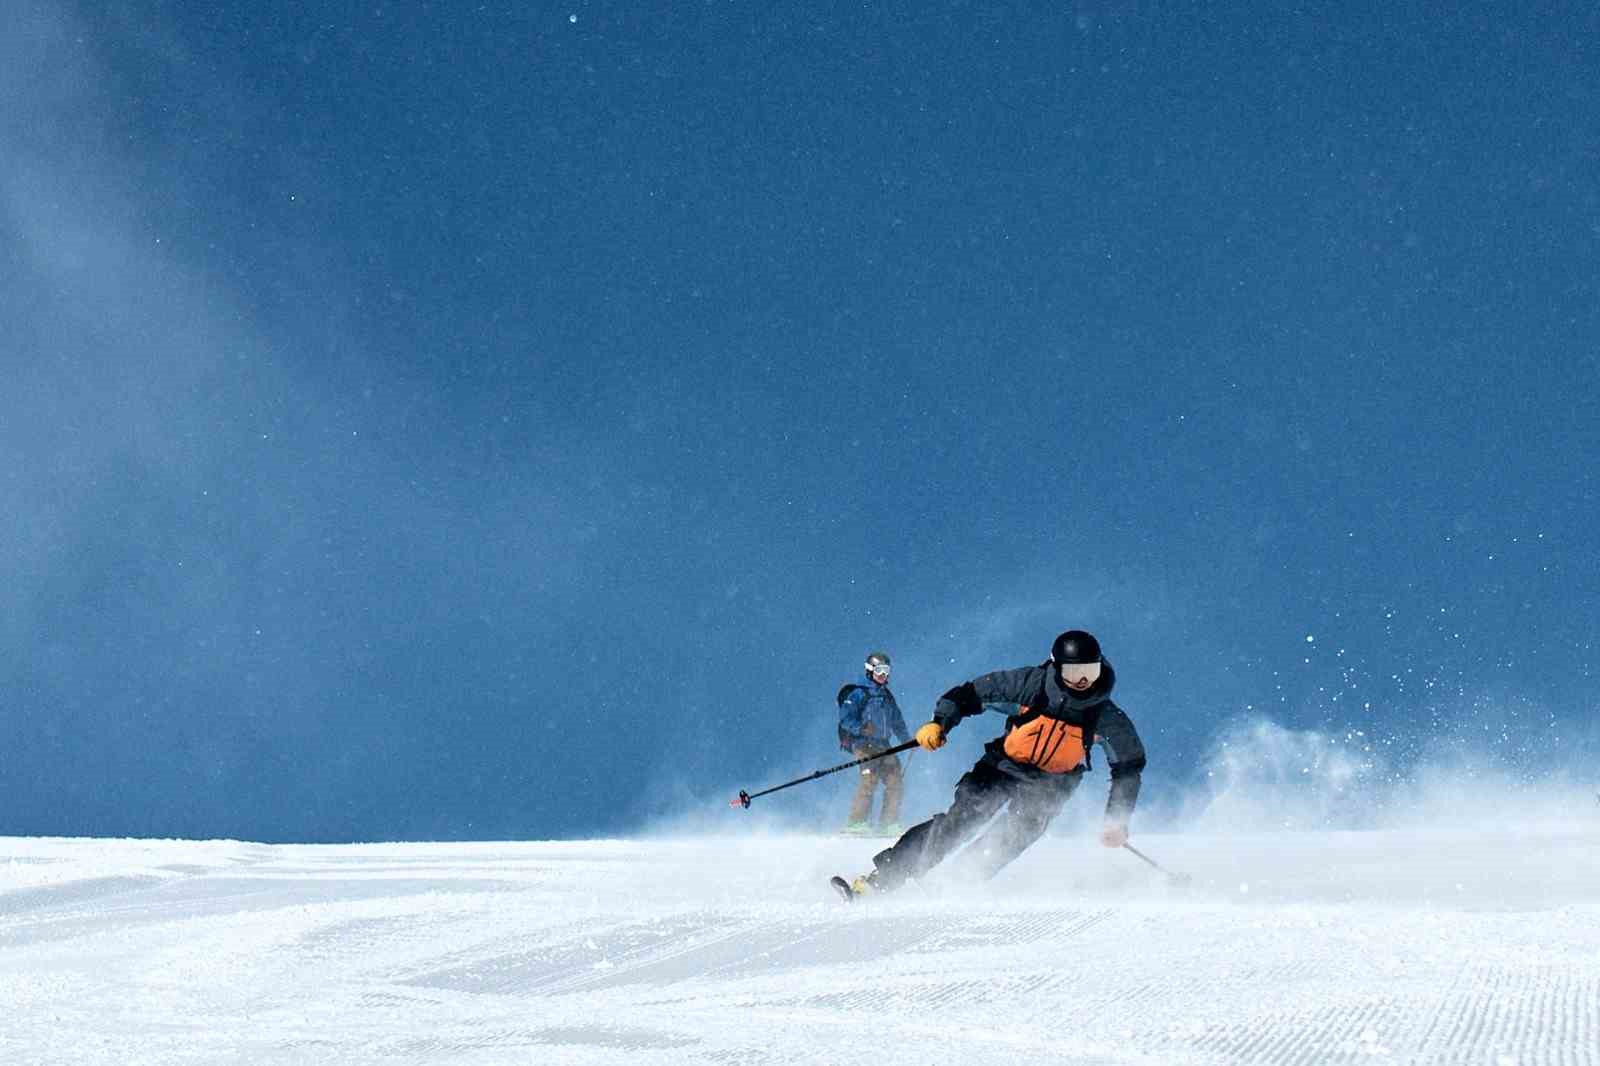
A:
x: 1075, y: 646
x: 877, y: 658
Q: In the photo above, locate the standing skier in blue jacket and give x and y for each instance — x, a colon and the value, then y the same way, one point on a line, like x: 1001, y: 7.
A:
x: 868, y: 718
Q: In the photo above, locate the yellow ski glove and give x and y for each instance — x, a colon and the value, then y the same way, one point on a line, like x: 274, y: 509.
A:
x: 931, y: 736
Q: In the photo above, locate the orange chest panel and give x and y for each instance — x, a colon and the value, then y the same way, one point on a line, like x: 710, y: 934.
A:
x: 1053, y: 746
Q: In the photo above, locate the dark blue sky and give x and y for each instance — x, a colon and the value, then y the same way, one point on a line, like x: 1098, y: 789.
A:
x: 516, y: 420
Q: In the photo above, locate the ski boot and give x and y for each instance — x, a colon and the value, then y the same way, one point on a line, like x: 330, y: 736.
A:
x: 860, y: 887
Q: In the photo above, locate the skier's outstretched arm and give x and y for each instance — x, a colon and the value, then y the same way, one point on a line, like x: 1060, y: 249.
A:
x: 1125, y: 756
x: 967, y: 699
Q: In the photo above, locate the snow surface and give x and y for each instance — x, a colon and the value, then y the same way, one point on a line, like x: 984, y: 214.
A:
x: 1460, y: 945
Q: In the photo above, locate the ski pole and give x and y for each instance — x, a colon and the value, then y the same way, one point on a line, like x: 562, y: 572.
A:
x: 745, y: 797
x: 1175, y: 878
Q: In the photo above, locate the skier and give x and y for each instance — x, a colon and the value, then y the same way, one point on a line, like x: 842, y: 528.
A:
x: 1063, y: 707
x: 868, y: 716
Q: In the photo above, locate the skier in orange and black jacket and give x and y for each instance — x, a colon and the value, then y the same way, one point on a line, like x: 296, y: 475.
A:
x: 1063, y: 707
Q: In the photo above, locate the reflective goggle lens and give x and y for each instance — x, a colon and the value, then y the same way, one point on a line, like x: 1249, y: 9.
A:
x: 878, y: 669
x: 1078, y: 673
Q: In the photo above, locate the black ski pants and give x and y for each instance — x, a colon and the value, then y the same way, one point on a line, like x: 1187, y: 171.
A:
x: 1031, y: 803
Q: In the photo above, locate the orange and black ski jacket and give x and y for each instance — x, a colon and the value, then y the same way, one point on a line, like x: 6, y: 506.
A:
x: 1052, y: 729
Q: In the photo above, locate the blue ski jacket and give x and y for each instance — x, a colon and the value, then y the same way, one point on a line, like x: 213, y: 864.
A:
x: 869, y: 715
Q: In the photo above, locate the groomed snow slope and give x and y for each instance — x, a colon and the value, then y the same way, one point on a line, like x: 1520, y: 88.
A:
x: 1459, y: 946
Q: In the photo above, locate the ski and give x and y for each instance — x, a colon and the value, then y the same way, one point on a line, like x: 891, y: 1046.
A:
x: 841, y: 886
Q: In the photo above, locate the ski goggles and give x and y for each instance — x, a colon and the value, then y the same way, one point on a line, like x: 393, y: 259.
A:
x: 1080, y: 673
x: 876, y: 669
